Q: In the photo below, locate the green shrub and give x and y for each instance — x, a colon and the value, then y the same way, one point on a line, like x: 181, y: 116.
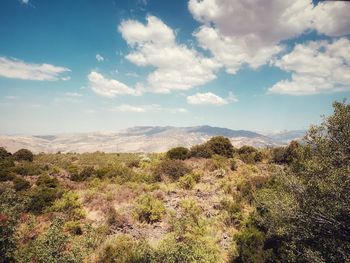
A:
x: 250, y: 246
x: 73, y: 171
x: 187, y: 182
x: 53, y: 245
x: 44, y: 194
x: 149, y: 209
x: 133, y: 163
x: 233, y: 164
x: 178, y: 153
x: 173, y: 169
x: 70, y: 204
x: 233, y: 211
x: 11, y: 208
x: 85, y: 173
x: 28, y: 168
x: 45, y: 180
x: 74, y: 227
x: 20, y: 184
x: 189, y: 241
x: 249, y: 154
x: 23, y: 155
x: 200, y: 151
x: 4, y: 154
x: 221, y: 146
x: 286, y: 155
x: 124, y: 249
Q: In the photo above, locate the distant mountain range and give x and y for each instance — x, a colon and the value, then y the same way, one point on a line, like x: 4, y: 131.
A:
x: 142, y: 139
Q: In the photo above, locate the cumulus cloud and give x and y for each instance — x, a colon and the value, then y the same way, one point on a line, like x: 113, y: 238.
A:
x: 109, y: 87
x: 177, y: 67
x: 209, y: 98
x: 315, y: 67
x: 147, y: 108
x: 99, y: 58
x: 250, y: 32
x: 17, y: 69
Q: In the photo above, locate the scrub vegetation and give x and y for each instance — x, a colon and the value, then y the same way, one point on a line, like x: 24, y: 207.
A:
x: 209, y: 203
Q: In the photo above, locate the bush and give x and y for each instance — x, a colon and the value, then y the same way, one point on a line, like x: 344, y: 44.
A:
x: 233, y: 164
x: 171, y: 168
x: 286, y: 155
x: 124, y: 249
x: 87, y: 172
x: 27, y: 168
x: 20, y: 184
x: 187, y: 182
x: 6, y: 167
x: 53, y: 245
x: 115, y: 219
x: 23, y: 155
x: 149, y: 209
x: 45, y: 180
x: 42, y: 198
x: 4, y: 154
x: 178, y: 153
x: 250, y: 246
x: 249, y: 154
x: 233, y: 211
x: 70, y: 204
x: 200, y: 151
x: 74, y: 227
x: 189, y: 241
x: 11, y: 207
x: 221, y: 146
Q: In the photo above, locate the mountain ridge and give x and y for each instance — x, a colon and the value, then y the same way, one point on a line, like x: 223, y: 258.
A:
x: 141, y: 139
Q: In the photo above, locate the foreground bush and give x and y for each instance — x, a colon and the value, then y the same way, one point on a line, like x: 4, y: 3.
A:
x: 53, y: 245
x: 149, y: 209
x: 23, y: 155
x: 305, y: 214
x: 178, y: 153
x: 189, y: 241
x: 173, y: 169
x: 125, y: 249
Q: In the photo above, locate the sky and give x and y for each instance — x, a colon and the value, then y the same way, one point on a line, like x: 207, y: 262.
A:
x: 86, y: 65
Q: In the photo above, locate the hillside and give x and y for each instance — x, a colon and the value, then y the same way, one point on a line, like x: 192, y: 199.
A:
x: 140, y: 139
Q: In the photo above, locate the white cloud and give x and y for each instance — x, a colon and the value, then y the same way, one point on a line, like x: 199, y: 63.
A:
x: 99, y: 58
x: 147, y: 108
x: 250, y: 32
x: 73, y: 94
x: 209, y: 98
x: 109, y: 87
x: 129, y: 108
x: 10, y: 97
x: 17, y: 69
x: 24, y: 1
x: 316, y: 67
x: 177, y: 66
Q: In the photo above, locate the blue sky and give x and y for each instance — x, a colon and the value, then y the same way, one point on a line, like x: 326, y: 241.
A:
x: 85, y: 65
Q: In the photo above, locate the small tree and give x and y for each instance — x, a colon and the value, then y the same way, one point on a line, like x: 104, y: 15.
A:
x: 23, y: 155
x: 178, y: 153
x: 221, y: 146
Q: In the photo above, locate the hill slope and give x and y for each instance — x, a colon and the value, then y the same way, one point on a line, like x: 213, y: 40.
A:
x: 135, y: 139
